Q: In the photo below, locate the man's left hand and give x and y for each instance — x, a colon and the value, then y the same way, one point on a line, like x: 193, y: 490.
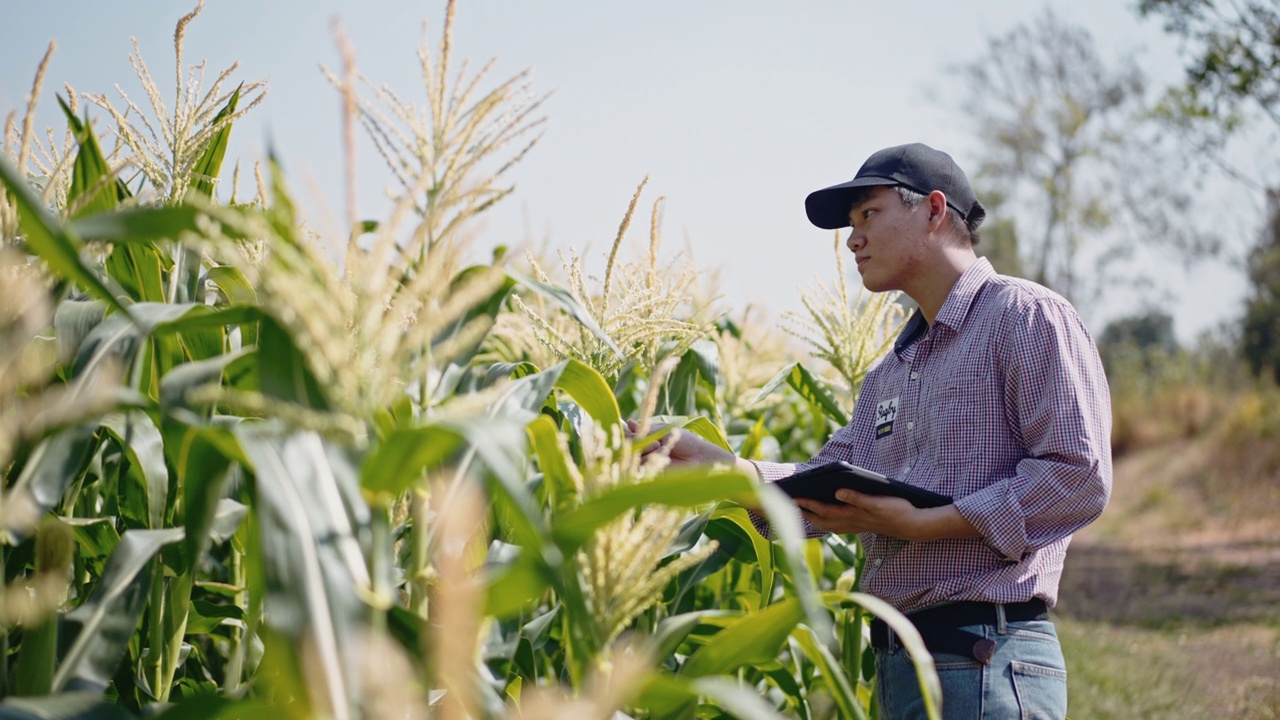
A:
x: 857, y: 512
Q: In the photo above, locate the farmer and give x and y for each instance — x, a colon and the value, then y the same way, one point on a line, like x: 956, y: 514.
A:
x: 994, y: 396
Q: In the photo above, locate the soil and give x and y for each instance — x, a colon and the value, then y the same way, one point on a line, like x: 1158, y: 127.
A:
x: 1175, y: 554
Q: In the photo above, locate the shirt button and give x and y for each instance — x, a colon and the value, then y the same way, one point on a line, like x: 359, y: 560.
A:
x: 915, y: 375
x: 878, y: 561
x: 906, y: 469
x: 911, y: 424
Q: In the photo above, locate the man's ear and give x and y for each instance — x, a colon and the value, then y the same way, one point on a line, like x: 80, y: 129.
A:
x: 937, y: 210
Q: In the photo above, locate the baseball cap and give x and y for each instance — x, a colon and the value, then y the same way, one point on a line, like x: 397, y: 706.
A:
x: 915, y: 166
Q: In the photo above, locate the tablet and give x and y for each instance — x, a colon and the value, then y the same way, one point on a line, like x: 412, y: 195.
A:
x: 821, y: 483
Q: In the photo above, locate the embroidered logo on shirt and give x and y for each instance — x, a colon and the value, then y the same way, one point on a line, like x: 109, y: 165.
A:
x: 886, y: 413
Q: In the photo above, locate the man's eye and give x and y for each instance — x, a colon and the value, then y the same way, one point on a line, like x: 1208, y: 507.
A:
x: 866, y: 214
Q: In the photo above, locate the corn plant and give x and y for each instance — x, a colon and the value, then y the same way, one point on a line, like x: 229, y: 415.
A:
x: 241, y: 481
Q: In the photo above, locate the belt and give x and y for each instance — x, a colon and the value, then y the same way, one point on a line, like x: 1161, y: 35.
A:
x: 940, y: 626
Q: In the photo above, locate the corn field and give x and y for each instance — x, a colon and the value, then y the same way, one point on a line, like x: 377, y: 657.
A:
x: 247, y: 475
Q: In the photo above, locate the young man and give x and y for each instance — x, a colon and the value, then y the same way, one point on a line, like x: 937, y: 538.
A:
x: 993, y: 395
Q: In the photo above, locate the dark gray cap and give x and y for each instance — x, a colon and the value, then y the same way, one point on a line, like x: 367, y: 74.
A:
x: 915, y: 166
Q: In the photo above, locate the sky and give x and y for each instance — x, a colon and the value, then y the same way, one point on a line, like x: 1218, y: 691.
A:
x: 735, y: 109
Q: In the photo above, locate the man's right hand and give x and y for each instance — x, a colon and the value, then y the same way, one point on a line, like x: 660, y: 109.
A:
x: 686, y: 448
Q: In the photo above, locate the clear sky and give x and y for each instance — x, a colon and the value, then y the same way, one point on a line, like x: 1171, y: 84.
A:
x: 735, y: 108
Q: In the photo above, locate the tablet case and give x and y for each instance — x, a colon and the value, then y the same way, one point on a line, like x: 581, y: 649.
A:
x: 821, y: 483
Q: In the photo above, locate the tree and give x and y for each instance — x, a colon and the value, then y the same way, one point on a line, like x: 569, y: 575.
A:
x: 1232, y: 74
x: 1260, y: 337
x: 1235, y: 55
x: 1070, y: 151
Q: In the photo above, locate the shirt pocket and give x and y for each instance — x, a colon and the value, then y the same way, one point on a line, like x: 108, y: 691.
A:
x: 959, y: 416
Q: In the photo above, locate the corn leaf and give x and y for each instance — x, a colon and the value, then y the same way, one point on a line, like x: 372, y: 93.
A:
x: 400, y: 460
x: 53, y: 466
x: 209, y: 165
x: 833, y: 675
x: 809, y: 387
x: 677, y: 487
x: 282, y: 370
x: 592, y: 393
x: 556, y: 477
x: 90, y: 171
x: 753, y: 639
x: 103, y: 626
x: 314, y: 564
x: 142, y: 443
x: 763, y: 549
x: 72, y: 322
x: 78, y: 705
x: 54, y: 245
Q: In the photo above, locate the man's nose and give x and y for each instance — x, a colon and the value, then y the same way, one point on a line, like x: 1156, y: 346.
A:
x: 856, y: 240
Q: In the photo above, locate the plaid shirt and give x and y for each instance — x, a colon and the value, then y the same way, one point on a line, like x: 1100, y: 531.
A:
x: 1001, y: 404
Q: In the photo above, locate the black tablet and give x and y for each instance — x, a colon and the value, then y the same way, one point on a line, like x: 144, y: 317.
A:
x: 821, y: 483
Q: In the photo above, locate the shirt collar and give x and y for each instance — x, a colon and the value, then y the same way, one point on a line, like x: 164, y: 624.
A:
x: 954, y: 309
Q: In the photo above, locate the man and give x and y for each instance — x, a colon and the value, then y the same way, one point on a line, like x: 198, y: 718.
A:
x: 994, y: 396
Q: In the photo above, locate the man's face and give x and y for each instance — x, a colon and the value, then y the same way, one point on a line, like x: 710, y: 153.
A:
x: 887, y: 239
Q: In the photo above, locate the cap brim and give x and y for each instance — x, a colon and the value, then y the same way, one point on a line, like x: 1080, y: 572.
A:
x: 828, y: 208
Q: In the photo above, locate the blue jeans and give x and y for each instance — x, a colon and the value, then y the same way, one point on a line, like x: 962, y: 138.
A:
x: 1027, y: 678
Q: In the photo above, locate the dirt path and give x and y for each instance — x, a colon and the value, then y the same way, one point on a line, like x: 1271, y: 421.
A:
x: 1169, y: 555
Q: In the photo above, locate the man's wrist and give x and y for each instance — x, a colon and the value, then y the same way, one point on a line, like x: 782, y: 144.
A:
x: 940, y: 523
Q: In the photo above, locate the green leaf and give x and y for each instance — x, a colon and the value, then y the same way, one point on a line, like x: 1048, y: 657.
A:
x: 45, y: 238
x: 175, y: 385
x: 306, y: 497
x: 833, y: 675
x: 489, y: 307
x: 139, y: 269
x: 908, y: 635
x: 763, y: 548
x: 140, y: 225
x: 810, y: 388
x: 708, y: 431
x: 79, y: 705
x: 72, y: 323
x: 141, y: 441
x: 755, y: 638
x: 208, y: 166
x: 589, y: 389
x: 53, y: 466
x: 741, y: 701
x: 96, y: 537
x: 90, y: 171
x: 103, y: 626
x: 399, y: 461
x: 512, y: 588
x: 677, y: 487
x: 282, y: 370
x: 556, y: 476
x: 700, y: 365
x: 202, y: 462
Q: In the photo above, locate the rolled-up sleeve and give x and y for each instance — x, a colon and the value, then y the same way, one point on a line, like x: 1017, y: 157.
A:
x: 1057, y: 401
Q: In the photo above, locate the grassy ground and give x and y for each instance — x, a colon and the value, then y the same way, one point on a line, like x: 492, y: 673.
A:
x: 1170, y: 603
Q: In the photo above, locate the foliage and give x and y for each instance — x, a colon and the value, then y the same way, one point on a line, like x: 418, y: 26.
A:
x: 1070, y: 153
x: 296, y: 490
x: 1260, y: 341
x: 1235, y: 50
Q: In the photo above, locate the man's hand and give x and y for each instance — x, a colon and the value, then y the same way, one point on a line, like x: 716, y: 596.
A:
x: 684, y: 448
x: 858, y: 512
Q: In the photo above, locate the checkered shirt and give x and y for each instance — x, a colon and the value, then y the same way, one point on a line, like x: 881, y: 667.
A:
x: 1001, y: 404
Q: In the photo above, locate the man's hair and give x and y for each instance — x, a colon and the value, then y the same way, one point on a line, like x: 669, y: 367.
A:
x: 959, y: 226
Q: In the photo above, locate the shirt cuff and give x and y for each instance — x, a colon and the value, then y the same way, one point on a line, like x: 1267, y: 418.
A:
x: 997, y: 515
x: 772, y: 472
